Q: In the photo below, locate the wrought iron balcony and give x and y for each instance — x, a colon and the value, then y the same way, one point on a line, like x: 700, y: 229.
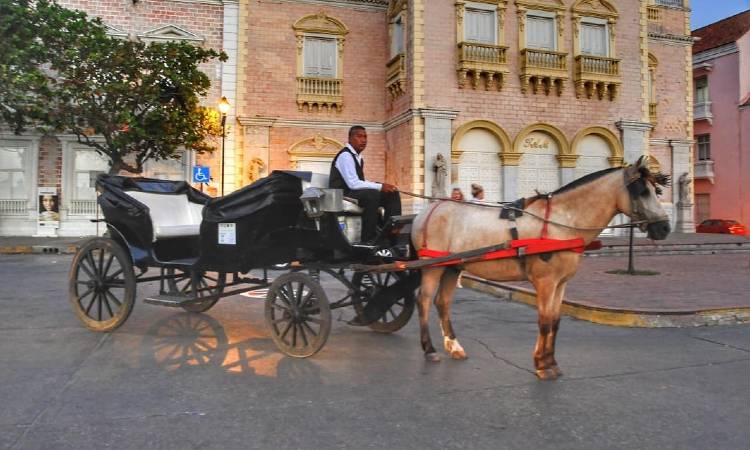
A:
x: 320, y: 92
x: 479, y: 60
x: 395, y: 75
x: 543, y: 69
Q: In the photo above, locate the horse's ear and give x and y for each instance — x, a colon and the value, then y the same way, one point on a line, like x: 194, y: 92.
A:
x: 642, y: 162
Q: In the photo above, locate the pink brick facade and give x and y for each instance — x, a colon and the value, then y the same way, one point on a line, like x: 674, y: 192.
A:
x: 722, y: 185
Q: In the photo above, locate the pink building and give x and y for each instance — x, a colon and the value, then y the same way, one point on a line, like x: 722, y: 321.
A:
x: 721, y: 73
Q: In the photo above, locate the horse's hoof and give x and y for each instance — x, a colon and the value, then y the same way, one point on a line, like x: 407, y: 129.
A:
x: 546, y: 374
x: 459, y: 355
x: 432, y: 357
x: 557, y: 371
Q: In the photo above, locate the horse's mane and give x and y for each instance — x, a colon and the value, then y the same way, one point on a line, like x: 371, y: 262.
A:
x: 585, y: 180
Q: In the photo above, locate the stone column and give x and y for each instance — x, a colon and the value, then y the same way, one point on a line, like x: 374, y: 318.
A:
x: 256, y: 144
x: 509, y: 168
x: 682, y: 221
x: 437, y: 139
x: 634, y: 137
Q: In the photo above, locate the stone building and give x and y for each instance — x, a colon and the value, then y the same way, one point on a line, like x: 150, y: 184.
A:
x: 517, y: 95
x: 721, y: 64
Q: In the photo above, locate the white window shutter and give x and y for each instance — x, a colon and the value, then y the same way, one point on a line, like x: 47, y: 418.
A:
x: 594, y: 39
x: 479, y: 26
x: 540, y: 32
x: 328, y: 58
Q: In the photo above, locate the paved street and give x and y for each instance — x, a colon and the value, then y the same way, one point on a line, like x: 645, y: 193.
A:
x: 168, y: 379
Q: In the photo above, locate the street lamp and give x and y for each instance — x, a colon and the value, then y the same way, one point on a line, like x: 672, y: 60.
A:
x: 224, y: 109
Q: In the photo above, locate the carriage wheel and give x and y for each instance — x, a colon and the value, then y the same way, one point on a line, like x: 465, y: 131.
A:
x: 398, y: 315
x: 297, y: 314
x: 102, y: 284
x: 210, y: 286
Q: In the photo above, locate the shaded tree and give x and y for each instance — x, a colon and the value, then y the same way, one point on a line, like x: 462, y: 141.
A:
x: 128, y: 100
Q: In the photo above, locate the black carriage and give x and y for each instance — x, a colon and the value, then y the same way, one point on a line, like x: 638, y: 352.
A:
x: 205, y: 249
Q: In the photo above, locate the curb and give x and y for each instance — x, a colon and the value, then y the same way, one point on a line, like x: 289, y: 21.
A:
x: 616, y: 317
x: 63, y: 249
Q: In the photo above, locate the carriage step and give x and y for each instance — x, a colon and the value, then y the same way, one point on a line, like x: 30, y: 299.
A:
x: 173, y: 300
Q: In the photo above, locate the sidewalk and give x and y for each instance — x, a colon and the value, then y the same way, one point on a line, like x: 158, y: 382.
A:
x: 703, y: 279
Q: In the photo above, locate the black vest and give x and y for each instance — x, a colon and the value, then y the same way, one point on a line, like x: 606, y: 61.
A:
x: 336, y: 180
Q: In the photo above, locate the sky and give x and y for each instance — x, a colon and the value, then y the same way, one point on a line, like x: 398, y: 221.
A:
x: 706, y: 12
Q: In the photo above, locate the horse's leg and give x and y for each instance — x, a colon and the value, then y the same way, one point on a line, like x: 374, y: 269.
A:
x: 552, y: 336
x: 429, y: 285
x: 443, y: 303
x: 549, y: 317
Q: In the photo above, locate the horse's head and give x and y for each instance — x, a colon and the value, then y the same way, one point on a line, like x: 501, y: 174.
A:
x: 642, y: 202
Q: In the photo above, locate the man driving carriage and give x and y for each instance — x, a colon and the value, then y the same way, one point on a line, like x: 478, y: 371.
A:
x: 347, y: 173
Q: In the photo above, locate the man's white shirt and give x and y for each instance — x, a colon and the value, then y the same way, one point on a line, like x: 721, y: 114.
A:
x: 348, y: 170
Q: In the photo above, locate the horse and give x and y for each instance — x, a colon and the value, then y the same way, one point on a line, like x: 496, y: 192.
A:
x: 580, y: 209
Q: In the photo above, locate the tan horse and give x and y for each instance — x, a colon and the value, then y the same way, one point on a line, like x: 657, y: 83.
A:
x: 588, y: 203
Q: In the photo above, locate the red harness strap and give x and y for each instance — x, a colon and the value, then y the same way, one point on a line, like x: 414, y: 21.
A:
x: 427, y: 222
x: 517, y: 247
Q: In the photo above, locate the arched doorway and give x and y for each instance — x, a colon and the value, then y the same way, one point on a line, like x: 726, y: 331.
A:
x: 539, y: 168
x: 480, y: 163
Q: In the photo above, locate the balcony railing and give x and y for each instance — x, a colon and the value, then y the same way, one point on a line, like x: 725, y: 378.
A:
x: 395, y: 75
x: 13, y: 207
x: 597, y: 65
x: 652, y: 111
x: 704, y: 170
x: 482, y: 53
x: 654, y: 14
x: 544, y: 59
x: 482, y: 60
x: 702, y: 111
x: 545, y: 69
x: 83, y: 208
x: 320, y: 92
x: 672, y: 3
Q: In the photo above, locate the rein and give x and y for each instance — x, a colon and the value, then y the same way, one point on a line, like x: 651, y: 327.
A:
x: 545, y: 220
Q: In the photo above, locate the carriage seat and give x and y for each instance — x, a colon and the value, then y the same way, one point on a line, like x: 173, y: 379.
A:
x: 320, y: 180
x: 172, y: 215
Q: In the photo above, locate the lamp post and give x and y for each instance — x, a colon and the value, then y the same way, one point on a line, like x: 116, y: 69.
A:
x: 224, y: 109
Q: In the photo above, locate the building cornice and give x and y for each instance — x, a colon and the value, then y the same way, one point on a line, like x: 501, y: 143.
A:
x: 438, y: 113
x: 716, y: 52
x: 633, y: 125
x: 280, y: 122
x: 671, y: 39
x: 404, y: 117
x: 372, y: 5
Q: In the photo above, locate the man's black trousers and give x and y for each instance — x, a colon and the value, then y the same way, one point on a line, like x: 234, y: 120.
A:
x: 370, y: 200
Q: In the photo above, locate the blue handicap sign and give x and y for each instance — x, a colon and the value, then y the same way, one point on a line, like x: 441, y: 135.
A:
x: 201, y: 174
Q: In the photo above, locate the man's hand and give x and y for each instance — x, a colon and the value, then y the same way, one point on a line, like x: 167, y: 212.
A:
x: 388, y: 188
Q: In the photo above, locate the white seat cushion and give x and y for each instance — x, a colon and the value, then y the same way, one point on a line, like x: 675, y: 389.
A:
x: 171, y: 215
x: 352, y: 206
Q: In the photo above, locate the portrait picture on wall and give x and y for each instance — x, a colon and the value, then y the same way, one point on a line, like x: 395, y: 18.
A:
x: 49, y: 205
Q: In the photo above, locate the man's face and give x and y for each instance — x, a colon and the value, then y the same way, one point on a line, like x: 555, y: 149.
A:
x: 359, y: 140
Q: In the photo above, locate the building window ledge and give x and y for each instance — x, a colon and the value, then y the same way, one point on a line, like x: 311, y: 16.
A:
x: 478, y: 61
x: 395, y: 80
x: 597, y: 76
x: 704, y: 170
x: 702, y: 111
x: 543, y: 69
x: 320, y: 93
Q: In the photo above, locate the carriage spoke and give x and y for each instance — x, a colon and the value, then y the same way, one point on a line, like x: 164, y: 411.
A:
x: 91, y: 303
x: 109, y: 264
x: 294, y: 335
x: 84, y: 295
x: 304, y: 336
x: 314, y: 320
x: 282, y: 307
x: 101, y: 262
x: 281, y: 319
x: 116, y: 274
x: 286, y: 330
x: 309, y: 328
x: 92, y: 263
x: 114, y: 299
x: 99, y: 306
x: 87, y: 270
x: 106, y: 303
